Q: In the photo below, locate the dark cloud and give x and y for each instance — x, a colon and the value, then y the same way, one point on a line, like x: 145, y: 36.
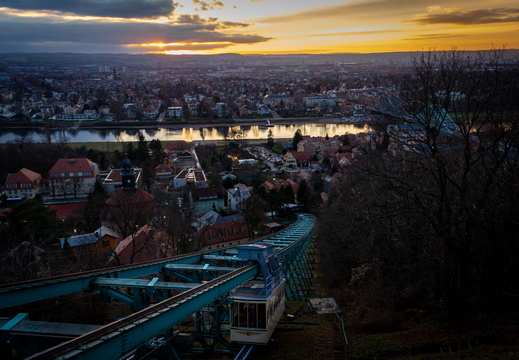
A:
x: 471, y: 17
x: 102, y: 8
x: 205, y: 6
x: 231, y: 24
x: 30, y: 33
x: 185, y: 19
x: 192, y: 47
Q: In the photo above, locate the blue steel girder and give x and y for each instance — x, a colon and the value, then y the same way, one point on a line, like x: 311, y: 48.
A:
x: 121, y: 337
x: 145, y: 284
x: 295, y: 261
x: 140, y: 299
x: 208, y: 326
x: 26, y: 292
x: 196, y: 272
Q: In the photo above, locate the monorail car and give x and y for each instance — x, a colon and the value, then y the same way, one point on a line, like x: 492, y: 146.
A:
x: 259, y: 303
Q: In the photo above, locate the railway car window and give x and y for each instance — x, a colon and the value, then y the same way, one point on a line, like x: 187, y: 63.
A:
x: 262, y: 316
x: 239, y: 310
x: 253, y: 316
x: 242, y: 310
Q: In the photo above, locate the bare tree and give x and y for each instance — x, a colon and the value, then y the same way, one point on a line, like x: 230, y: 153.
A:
x: 452, y: 175
x: 429, y: 212
x: 253, y: 212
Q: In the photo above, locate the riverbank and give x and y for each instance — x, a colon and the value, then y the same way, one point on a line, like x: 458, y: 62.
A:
x: 179, y: 131
x: 196, y: 124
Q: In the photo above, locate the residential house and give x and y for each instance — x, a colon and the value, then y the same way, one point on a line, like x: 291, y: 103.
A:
x: 130, y: 111
x: 104, y: 109
x: 224, y: 234
x: 279, y: 184
x: 203, y: 200
x: 164, y: 172
x: 175, y: 148
x: 193, y: 108
x: 151, y: 111
x: 311, y: 147
x: 101, y: 243
x: 184, y: 159
x: 221, y: 110
x: 175, y: 111
x: 263, y: 110
x: 236, y: 195
x: 24, y: 183
x: 294, y: 159
x: 276, y: 100
x: 72, y: 177
x: 146, y: 244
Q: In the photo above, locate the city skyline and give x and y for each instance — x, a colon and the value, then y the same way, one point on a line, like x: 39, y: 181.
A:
x: 256, y: 26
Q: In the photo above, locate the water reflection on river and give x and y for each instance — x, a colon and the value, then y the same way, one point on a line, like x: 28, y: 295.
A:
x: 188, y: 134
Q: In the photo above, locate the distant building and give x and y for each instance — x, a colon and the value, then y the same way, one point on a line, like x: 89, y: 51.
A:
x: 175, y: 111
x: 263, y: 110
x: 129, y: 206
x: 146, y: 244
x: 163, y: 172
x: 221, y: 110
x: 236, y: 195
x: 183, y: 159
x: 101, y: 243
x: 279, y: 184
x: 175, y: 148
x: 190, y: 177
x: 224, y: 234
x: 206, y: 199
x: 24, y: 183
x: 151, y: 111
x: 73, y: 177
x: 113, y: 180
x: 296, y: 159
x: 275, y: 100
x: 130, y: 111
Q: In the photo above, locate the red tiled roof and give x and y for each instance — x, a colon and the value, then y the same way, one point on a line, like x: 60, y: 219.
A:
x: 301, y: 155
x: 23, y: 176
x: 225, y: 231
x: 74, y: 165
x: 163, y: 168
x: 215, y: 191
x: 147, y: 244
x: 130, y: 197
x: 176, y: 146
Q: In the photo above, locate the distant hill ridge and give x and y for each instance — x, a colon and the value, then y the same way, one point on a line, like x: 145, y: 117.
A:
x: 145, y: 58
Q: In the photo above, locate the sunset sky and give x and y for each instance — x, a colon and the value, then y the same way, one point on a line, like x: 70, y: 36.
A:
x: 256, y: 26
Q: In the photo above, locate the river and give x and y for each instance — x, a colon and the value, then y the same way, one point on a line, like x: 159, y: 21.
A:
x: 189, y: 134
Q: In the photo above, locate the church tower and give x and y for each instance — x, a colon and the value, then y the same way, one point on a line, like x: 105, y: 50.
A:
x: 128, y: 175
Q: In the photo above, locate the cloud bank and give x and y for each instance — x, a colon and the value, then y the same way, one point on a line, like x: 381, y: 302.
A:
x: 113, y: 25
x: 103, y: 8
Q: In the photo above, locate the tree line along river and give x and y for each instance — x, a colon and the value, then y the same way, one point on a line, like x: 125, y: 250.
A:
x: 185, y: 133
